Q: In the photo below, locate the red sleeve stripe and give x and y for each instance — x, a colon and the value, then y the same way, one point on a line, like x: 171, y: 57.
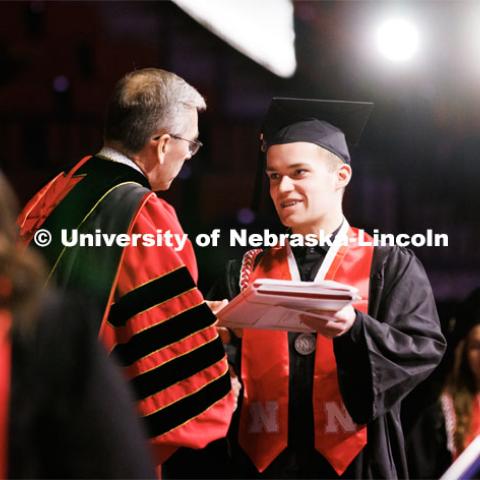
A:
x: 189, y: 407
x: 170, y: 352
x: 196, y: 432
x: 151, y: 294
x: 146, y: 283
x: 163, y: 334
x: 159, y: 314
x: 180, y: 368
x: 182, y: 389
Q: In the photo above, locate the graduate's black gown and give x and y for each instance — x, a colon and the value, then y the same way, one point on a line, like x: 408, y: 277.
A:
x: 379, y: 361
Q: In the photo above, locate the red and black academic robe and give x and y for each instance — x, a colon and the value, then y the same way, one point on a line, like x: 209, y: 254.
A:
x: 155, y: 320
x: 387, y: 352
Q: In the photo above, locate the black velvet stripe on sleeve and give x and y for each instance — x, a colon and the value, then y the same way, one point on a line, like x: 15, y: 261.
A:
x: 152, y: 293
x: 188, y: 408
x: 178, y: 369
x: 163, y: 334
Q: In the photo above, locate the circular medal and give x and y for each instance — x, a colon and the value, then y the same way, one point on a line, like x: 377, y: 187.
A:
x: 305, y: 343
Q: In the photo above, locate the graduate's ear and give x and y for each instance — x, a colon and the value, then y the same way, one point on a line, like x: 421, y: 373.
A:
x: 161, y: 143
x: 343, y: 175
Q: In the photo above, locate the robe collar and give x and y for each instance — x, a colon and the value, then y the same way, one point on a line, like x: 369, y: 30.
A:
x: 109, y: 153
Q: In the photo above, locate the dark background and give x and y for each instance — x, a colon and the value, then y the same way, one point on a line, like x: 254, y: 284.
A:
x: 418, y: 163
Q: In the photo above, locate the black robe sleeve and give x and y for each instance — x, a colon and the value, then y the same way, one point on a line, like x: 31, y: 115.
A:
x: 397, y: 345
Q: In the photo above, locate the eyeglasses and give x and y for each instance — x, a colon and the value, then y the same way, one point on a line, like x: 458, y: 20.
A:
x: 193, y: 145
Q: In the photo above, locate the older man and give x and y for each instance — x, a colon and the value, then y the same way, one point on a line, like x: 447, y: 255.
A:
x: 326, y: 404
x: 154, y: 319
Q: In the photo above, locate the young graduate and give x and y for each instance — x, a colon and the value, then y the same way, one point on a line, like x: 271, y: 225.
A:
x: 327, y: 404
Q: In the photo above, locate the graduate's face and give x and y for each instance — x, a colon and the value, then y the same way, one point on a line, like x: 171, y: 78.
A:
x: 473, y: 352
x: 170, y: 153
x: 306, y: 185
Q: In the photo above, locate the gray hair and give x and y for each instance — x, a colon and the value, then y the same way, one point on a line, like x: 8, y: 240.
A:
x: 146, y: 101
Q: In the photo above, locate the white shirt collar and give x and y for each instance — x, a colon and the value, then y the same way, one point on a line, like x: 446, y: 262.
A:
x: 109, y: 153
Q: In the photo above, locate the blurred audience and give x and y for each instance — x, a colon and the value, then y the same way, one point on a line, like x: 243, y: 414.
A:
x: 64, y: 409
x: 448, y: 426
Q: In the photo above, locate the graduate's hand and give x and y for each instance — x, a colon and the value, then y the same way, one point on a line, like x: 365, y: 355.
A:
x: 331, y: 324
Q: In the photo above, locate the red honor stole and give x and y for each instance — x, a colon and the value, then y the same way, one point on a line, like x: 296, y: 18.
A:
x: 263, y: 432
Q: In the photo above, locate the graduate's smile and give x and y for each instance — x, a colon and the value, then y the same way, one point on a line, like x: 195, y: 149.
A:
x: 289, y: 204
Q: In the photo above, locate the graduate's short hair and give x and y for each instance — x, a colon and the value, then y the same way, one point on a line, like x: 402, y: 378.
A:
x: 146, y: 101
x: 333, y: 161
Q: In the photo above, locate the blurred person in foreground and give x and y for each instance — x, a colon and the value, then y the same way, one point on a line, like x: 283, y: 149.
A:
x: 154, y: 319
x: 65, y: 411
x: 326, y: 404
x: 446, y: 428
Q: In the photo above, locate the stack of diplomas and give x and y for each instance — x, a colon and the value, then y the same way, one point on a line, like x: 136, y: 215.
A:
x: 278, y: 304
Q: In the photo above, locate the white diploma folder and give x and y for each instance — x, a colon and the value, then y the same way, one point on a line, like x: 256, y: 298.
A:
x: 277, y: 304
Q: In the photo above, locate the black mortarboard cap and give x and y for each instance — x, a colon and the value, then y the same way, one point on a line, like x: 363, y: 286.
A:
x: 330, y: 124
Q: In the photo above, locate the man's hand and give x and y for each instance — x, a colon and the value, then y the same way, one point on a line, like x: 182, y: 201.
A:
x: 224, y: 334
x: 331, y: 324
x: 236, y: 386
x: 216, y: 305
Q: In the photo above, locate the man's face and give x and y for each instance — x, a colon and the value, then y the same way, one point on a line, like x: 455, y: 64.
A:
x: 303, y: 185
x: 175, y: 152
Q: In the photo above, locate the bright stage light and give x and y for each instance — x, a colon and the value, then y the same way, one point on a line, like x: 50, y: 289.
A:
x: 398, y: 40
x: 262, y: 30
